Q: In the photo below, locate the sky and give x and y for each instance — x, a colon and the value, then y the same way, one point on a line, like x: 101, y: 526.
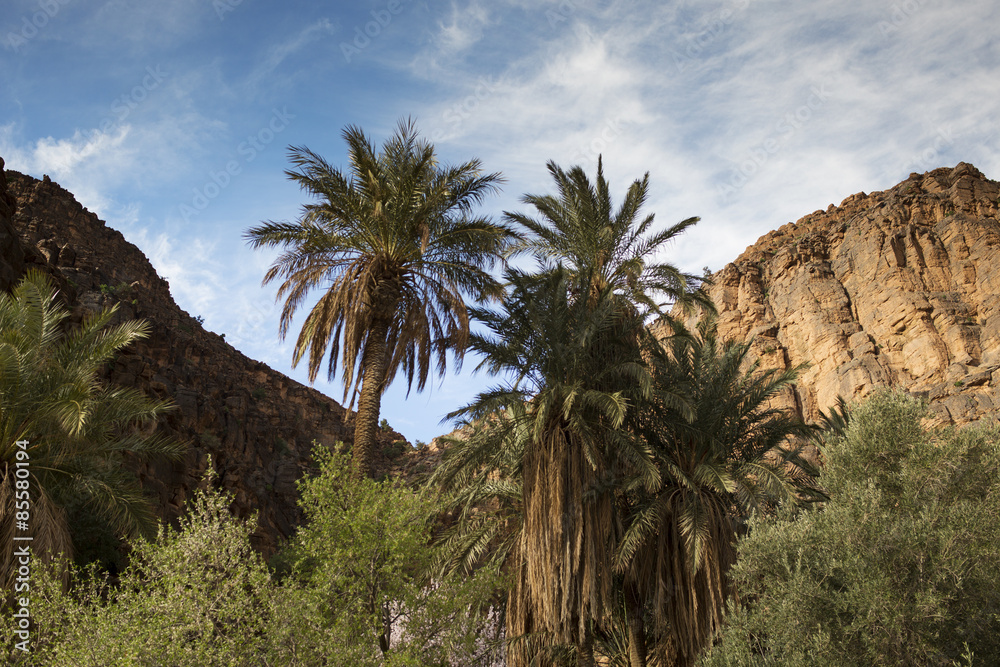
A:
x: 172, y: 119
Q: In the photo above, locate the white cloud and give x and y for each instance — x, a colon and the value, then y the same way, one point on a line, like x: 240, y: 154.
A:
x: 70, y: 161
x: 691, y: 93
x: 463, y: 29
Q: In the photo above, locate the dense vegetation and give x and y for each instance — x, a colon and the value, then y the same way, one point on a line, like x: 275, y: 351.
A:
x: 624, y: 495
x: 350, y: 590
x: 900, y: 567
x: 63, y: 432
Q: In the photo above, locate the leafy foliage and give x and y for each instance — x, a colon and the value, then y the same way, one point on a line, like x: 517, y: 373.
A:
x: 360, y: 567
x: 196, y: 596
x: 78, y: 429
x: 354, y: 591
x: 898, y: 568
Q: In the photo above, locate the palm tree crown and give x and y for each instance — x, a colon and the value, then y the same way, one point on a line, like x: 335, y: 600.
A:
x: 394, y: 246
x: 603, y: 247
x: 76, y: 428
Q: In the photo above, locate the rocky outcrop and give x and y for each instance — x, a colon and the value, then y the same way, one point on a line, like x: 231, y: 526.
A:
x: 897, y: 288
x: 11, y: 253
x: 256, y: 424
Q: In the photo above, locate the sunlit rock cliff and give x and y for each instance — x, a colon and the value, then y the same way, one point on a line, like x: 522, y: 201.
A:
x: 898, y: 288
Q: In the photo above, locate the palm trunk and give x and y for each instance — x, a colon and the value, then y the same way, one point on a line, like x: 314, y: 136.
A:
x: 636, y: 629
x: 370, y: 402
x: 587, y: 648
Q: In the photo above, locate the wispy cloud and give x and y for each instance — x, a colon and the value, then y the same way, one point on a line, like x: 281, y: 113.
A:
x: 276, y: 54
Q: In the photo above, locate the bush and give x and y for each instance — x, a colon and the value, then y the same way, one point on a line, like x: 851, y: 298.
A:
x: 195, y: 596
x: 396, y: 449
x: 359, y: 570
x: 899, y: 568
x: 353, y: 591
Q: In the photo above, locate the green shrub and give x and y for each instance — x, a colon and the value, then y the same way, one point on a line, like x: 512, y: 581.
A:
x: 200, y: 596
x: 899, y: 568
x: 395, y: 450
x: 363, y: 556
x: 195, y: 596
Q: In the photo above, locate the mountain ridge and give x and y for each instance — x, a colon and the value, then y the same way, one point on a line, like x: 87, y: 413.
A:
x: 255, y: 423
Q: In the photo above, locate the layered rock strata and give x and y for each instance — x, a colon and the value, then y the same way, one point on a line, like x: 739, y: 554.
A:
x: 897, y: 288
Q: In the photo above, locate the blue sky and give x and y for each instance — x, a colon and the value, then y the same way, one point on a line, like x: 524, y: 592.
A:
x: 171, y: 119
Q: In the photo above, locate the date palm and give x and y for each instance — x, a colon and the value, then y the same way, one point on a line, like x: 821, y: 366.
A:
x: 550, y: 436
x: 63, y: 433
x: 726, y: 458
x: 571, y: 339
x: 394, y: 247
x: 603, y: 247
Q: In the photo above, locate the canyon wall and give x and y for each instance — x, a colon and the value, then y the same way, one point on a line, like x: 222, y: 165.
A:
x: 897, y: 288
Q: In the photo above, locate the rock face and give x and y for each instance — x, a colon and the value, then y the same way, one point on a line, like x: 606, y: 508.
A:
x: 257, y: 424
x: 11, y: 253
x: 898, y: 288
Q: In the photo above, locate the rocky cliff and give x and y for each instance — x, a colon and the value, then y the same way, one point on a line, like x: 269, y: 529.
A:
x: 11, y: 253
x: 257, y: 424
x: 898, y: 288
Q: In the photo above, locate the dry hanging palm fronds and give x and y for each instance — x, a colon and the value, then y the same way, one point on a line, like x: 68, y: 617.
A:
x: 564, y: 544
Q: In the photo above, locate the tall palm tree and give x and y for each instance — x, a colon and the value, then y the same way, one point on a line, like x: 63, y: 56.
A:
x: 63, y: 433
x: 726, y: 458
x: 394, y: 246
x: 571, y: 340
x: 553, y: 433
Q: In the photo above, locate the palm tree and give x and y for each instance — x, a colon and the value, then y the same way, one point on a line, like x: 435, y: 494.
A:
x: 572, y: 340
x: 726, y: 459
x: 63, y: 433
x: 603, y: 248
x: 394, y: 246
x: 552, y: 433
